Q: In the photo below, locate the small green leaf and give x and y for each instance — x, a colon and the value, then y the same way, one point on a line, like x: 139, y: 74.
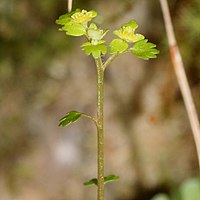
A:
x: 110, y: 178
x: 144, y: 49
x: 94, y: 33
x: 131, y: 24
x: 91, y: 182
x: 95, y: 50
x: 63, y: 19
x: 74, y: 29
x: 69, y: 118
x: 118, y: 46
x: 107, y: 179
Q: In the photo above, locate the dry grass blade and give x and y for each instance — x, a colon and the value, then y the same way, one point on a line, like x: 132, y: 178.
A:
x: 181, y: 76
x: 69, y: 5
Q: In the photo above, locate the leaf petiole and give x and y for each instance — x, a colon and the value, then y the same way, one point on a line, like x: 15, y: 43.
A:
x: 109, y: 60
x: 90, y: 117
x: 73, y: 116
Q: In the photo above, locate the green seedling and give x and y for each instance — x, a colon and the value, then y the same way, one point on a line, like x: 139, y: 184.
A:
x: 78, y: 23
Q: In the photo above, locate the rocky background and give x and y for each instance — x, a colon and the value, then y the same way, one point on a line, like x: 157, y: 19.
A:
x: 44, y: 74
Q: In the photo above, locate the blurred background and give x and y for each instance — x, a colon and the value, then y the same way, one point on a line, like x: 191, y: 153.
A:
x: 44, y: 74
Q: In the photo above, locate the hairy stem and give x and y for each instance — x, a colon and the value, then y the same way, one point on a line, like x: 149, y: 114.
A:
x: 100, y: 137
x: 109, y: 60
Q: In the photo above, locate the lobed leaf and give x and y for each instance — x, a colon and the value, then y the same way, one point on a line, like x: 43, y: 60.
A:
x: 95, y: 50
x: 131, y: 24
x: 74, y: 29
x: 144, y: 49
x: 127, y: 32
x: 69, y: 118
x: 118, y: 46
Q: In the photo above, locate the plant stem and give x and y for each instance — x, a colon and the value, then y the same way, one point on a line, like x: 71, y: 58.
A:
x: 181, y: 76
x: 70, y: 5
x: 100, y: 137
x: 109, y: 60
x: 90, y: 117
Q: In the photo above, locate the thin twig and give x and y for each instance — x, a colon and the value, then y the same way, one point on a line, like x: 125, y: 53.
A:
x: 181, y: 76
x: 69, y: 5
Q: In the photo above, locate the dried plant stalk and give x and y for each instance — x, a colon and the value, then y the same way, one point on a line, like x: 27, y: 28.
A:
x: 181, y: 76
x: 69, y: 5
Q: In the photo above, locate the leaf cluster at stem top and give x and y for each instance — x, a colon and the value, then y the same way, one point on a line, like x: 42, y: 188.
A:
x: 76, y: 23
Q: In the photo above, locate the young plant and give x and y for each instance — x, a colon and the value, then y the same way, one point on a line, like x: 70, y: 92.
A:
x: 76, y: 23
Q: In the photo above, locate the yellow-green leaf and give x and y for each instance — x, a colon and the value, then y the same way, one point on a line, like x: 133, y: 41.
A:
x: 74, y: 29
x: 118, y: 46
x: 64, y: 19
x: 144, y: 49
x: 94, y: 33
x: 95, y: 50
x: 84, y: 16
x: 127, y: 32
